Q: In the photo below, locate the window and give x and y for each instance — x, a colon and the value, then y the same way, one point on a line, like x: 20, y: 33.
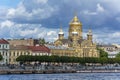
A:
x: 3, y: 46
x: 6, y: 53
x: 3, y: 53
x: 13, y: 53
x: 6, y: 46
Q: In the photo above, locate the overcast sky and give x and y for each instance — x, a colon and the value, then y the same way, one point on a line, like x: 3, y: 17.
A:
x: 43, y: 18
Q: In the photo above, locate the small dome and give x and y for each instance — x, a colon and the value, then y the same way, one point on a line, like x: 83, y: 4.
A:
x: 74, y: 32
x: 89, y: 32
x: 61, y: 31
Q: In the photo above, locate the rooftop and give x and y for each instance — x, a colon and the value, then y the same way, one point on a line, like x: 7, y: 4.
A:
x: 3, y: 41
x: 40, y: 48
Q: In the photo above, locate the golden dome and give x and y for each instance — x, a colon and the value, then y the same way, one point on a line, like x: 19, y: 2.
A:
x: 75, y: 20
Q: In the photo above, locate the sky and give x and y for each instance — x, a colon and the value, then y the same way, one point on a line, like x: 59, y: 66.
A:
x: 43, y: 18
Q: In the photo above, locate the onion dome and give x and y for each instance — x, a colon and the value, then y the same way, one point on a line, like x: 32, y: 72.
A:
x: 74, y: 32
x: 61, y: 31
x: 89, y: 32
x: 75, y: 20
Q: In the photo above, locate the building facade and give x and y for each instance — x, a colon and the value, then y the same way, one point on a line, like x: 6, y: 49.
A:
x: 16, y: 51
x: 40, y: 50
x: 112, y: 50
x: 25, y: 42
x: 4, y: 51
x: 61, y: 50
x: 81, y: 47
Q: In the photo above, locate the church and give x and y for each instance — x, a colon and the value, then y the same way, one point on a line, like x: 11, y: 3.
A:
x: 75, y: 45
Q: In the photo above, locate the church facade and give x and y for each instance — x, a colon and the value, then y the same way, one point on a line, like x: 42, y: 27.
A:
x: 75, y: 45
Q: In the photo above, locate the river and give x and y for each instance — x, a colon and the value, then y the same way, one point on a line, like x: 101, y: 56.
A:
x: 67, y: 76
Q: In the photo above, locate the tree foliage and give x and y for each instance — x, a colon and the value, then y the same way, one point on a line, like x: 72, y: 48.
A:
x: 66, y: 59
x: 41, y: 41
x: 118, y: 55
x: 103, y: 53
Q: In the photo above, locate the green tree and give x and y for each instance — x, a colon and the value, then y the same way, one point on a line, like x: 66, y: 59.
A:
x: 118, y: 55
x: 103, y: 53
x: 42, y: 41
x: 103, y: 60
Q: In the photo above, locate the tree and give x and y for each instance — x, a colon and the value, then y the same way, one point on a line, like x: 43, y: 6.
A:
x: 118, y: 55
x: 42, y: 41
x: 103, y: 53
x: 103, y: 60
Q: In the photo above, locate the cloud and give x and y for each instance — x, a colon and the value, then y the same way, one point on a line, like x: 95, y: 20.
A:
x: 87, y: 12
x: 25, y: 13
x: 51, y: 33
x: 41, y: 18
x: 115, y: 35
x: 14, y: 30
x: 41, y: 1
x: 98, y: 10
x: 6, y: 23
x: 28, y: 32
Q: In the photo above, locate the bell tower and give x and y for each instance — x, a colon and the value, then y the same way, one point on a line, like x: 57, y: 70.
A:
x: 61, y: 34
x: 75, y: 25
x: 89, y: 35
x: 75, y: 38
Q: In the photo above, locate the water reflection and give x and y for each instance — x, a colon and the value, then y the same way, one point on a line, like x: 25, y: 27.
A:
x: 72, y: 76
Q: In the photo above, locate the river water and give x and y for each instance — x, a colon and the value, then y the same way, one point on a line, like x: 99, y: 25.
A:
x: 67, y: 76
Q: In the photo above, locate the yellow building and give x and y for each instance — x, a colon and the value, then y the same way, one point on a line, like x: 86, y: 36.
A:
x: 25, y: 42
x: 75, y: 45
x: 16, y: 51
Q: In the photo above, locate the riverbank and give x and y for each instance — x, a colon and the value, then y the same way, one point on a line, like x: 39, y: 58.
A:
x: 55, y: 71
x: 35, y: 71
x: 51, y: 69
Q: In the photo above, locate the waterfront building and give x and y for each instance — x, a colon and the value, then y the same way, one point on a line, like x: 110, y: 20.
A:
x: 75, y: 44
x: 4, y: 51
x: 112, y: 50
x: 39, y: 50
x: 16, y: 51
x: 108, y: 47
x: 61, y: 50
x: 25, y: 42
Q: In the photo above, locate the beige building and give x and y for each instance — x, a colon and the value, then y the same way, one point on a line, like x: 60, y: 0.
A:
x: 16, y: 51
x: 25, y: 42
x: 61, y: 50
x: 110, y: 48
x: 80, y: 47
